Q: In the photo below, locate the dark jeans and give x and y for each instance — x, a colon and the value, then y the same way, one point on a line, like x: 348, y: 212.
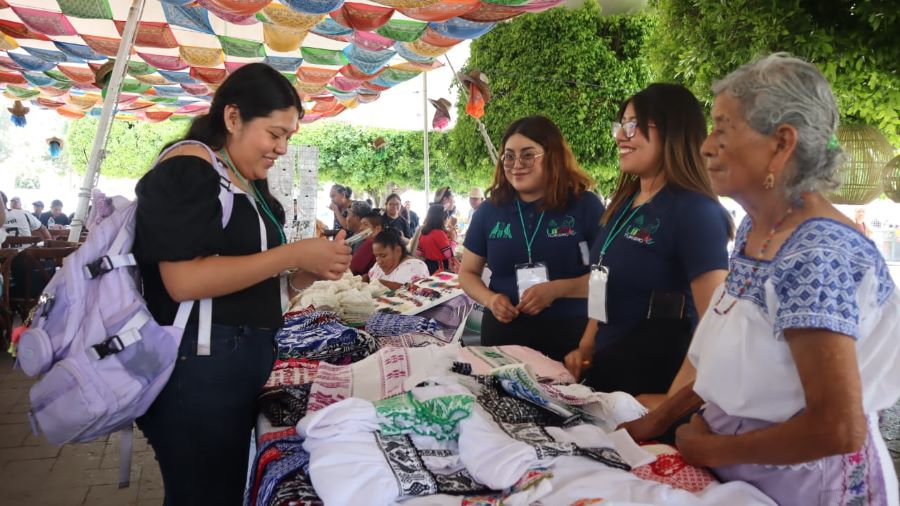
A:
x: 553, y: 337
x: 200, y: 425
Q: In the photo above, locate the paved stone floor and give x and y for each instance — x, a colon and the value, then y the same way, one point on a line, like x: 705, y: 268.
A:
x: 34, y: 473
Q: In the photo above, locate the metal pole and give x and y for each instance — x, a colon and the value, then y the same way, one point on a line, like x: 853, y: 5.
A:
x: 492, y: 151
x: 110, y: 103
x: 425, y: 136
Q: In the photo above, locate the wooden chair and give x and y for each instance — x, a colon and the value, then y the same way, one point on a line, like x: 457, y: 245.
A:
x: 6, y: 315
x: 61, y: 244
x: 39, y: 266
x: 61, y: 234
x: 18, y: 242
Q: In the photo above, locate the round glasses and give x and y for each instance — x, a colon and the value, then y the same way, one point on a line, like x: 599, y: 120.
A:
x: 526, y: 159
x: 630, y: 128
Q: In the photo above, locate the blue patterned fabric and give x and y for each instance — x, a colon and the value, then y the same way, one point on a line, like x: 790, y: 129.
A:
x: 38, y: 79
x: 321, y: 336
x: 458, y: 28
x: 283, y: 63
x: 366, y: 60
x: 386, y: 324
x: 78, y: 51
x: 192, y: 18
x: 314, y: 6
x: 178, y: 77
x: 51, y: 55
x: 329, y: 27
x: 32, y: 63
x: 408, y: 54
x: 816, y: 276
x: 293, y: 460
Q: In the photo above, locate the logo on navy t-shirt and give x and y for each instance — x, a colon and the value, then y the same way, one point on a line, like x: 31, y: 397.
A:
x: 566, y: 229
x: 640, y: 232
x: 501, y: 230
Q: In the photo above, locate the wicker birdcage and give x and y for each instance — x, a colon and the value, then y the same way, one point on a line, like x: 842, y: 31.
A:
x: 890, y: 178
x: 867, y: 152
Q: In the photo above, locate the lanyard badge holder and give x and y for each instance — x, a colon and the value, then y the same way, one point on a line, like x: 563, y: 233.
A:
x: 532, y: 273
x: 599, y: 278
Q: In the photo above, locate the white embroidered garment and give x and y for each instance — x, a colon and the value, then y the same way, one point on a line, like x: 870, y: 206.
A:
x: 409, y: 269
x: 826, y: 275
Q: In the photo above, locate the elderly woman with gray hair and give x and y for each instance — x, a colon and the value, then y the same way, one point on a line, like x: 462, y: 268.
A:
x: 800, y: 347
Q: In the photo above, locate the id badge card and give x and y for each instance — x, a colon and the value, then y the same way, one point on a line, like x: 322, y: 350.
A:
x: 528, y: 275
x: 597, y: 293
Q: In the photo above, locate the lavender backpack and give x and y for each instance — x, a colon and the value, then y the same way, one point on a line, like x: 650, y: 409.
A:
x: 103, y: 357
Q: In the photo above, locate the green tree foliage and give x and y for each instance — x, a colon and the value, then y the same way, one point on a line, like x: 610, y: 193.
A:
x: 131, y: 148
x: 573, y: 66
x: 347, y: 154
x: 854, y: 43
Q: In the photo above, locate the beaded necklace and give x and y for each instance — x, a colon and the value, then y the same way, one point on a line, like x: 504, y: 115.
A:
x: 759, y: 257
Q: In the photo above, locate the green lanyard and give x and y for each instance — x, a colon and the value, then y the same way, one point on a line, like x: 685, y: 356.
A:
x: 255, y: 195
x: 616, y: 228
x: 529, y: 242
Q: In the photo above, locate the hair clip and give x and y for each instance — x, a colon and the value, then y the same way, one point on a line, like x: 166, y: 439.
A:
x: 833, y: 143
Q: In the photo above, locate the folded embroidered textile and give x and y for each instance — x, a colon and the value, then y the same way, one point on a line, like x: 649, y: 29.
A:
x: 321, y: 336
x: 606, y: 410
x: 350, y: 297
x: 577, y: 480
x: 671, y: 469
x: 505, y: 436
x: 409, y: 340
x: 486, y: 358
x: 276, y: 460
x: 389, y: 371
x: 292, y: 372
x: 404, y: 446
x: 386, y: 324
x: 284, y: 406
x: 528, y: 491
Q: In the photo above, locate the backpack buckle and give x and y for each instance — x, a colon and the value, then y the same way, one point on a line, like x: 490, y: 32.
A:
x: 98, y: 267
x: 111, y: 346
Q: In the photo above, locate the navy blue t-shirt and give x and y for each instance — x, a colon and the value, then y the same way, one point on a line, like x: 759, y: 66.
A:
x: 496, y: 234
x: 675, y: 237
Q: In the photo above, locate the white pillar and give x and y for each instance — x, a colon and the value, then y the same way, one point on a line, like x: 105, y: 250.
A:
x: 425, y: 136
x: 110, y: 103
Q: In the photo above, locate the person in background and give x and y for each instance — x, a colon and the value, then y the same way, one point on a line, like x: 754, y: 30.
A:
x: 363, y: 257
x: 533, y: 233
x: 15, y: 203
x: 859, y: 219
x: 201, y: 423
x: 38, y: 207
x: 340, y: 205
x: 799, y: 351
x: 434, y: 244
x: 55, y: 217
x: 476, y: 197
x: 355, y: 213
x: 394, y: 266
x: 664, y: 242
x: 411, y: 216
x: 20, y: 223
x: 395, y: 219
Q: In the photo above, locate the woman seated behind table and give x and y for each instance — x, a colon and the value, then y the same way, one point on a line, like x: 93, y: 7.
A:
x: 662, y: 242
x: 533, y: 233
x: 437, y: 242
x: 799, y: 350
x: 364, y: 257
x: 393, y: 265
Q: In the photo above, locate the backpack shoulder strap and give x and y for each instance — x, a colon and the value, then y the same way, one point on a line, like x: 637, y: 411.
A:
x: 226, y: 189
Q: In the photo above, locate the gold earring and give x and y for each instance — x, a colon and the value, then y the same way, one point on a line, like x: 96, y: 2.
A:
x: 769, y: 183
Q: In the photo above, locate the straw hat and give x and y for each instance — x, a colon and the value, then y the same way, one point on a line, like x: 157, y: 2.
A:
x: 480, y: 80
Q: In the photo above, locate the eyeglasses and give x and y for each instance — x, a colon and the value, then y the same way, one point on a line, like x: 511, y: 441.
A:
x: 629, y: 126
x: 527, y: 159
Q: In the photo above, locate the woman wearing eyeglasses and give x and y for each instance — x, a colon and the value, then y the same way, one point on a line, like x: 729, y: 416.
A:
x: 534, y: 233
x: 661, y: 248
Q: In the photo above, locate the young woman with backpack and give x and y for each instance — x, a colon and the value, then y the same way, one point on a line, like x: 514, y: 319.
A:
x: 200, y: 424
